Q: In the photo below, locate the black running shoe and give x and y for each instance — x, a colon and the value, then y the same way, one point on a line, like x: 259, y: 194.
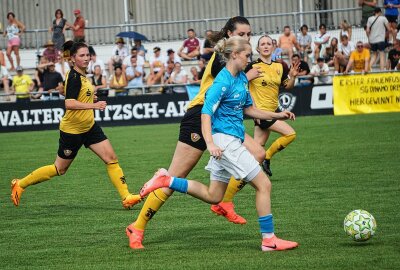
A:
x: 266, y: 167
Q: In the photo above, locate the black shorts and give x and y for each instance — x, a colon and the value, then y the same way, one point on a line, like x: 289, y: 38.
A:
x: 69, y: 144
x: 190, y: 130
x: 391, y: 18
x: 380, y: 46
x: 264, y: 124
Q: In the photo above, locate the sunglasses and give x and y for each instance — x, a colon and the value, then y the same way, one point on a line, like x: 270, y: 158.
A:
x: 360, y: 46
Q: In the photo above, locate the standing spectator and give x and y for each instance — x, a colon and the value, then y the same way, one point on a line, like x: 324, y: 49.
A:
x: 127, y: 60
x: 99, y: 81
x: 51, y: 53
x: 58, y: 29
x: 94, y: 61
x: 191, y: 46
x: 342, y: 56
x: 120, y: 51
x: 179, y: 76
x: 287, y: 42
x: 320, y: 42
x: 345, y: 29
x: 14, y: 30
x: 52, y: 83
x: 22, y: 85
x: 303, y: 69
x: 5, y: 81
x: 134, y: 73
x: 118, y: 81
x: 157, y: 63
x: 394, y: 55
x: 320, y: 70
x: 171, y: 56
x: 376, y: 29
x: 304, y: 40
x: 359, y: 59
x: 367, y: 10
x: 277, y: 54
x: 330, y: 52
x: 140, y: 48
x: 208, y: 46
x: 62, y: 66
x: 78, y: 28
x: 391, y: 14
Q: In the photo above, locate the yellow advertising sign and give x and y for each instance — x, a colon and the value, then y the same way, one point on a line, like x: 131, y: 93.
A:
x: 369, y: 93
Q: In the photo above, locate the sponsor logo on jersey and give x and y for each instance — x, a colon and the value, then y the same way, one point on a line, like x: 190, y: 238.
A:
x: 67, y: 152
x: 195, y: 137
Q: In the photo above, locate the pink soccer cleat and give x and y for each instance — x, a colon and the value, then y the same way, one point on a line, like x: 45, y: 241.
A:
x: 160, y: 179
x: 227, y: 210
x: 135, y: 237
x: 276, y: 244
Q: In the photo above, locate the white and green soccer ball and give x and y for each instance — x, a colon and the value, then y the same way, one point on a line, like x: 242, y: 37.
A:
x: 359, y: 225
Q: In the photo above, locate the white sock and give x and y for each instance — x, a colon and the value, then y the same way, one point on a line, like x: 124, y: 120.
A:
x: 267, y: 235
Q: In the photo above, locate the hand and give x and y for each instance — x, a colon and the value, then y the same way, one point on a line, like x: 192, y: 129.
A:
x: 345, y: 72
x: 285, y: 115
x: 214, y: 150
x: 294, y: 70
x: 101, y: 105
x: 254, y: 73
x: 95, y: 98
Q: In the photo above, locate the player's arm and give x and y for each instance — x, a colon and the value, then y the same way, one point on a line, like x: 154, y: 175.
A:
x: 252, y: 72
x: 265, y: 115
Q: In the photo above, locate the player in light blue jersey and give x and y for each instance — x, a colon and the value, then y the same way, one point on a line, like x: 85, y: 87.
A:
x: 223, y: 132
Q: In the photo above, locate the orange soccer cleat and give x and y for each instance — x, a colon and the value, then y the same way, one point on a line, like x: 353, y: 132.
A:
x: 160, y: 179
x: 276, y: 244
x: 131, y: 200
x: 16, y: 191
x: 227, y: 209
x: 135, y: 237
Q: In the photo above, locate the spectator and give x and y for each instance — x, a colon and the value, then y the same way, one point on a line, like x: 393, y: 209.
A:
x: 22, y: 85
x: 191, y: 46
x: 99, y: 81
x: 140, y: 48
x: 14, y: 30
x: 320, y: 42
x: 202, y: 67
x: 172, y: 56
x: 345, y: 29
x: 94, y: 61
x: 127, y: 60
x: 39, y: 73
x: 134, y: 74
x: 52, y: 83
x: 168, y: 71
x: 342, y: 56
x: 320, y: 70
x: 195, y: 76
x: 208, y: 46
x: 376, y: 29
x: 277, y: 54
x: 304, y: 69
x: 179, y: 76
x: 5, y: 82
x: 120, y: 51
x: 157, y: 63
x: 394, y: 55
x: 51, y: 53
x: 58, y: 29
x: 359, y: 59
x: 330, y: 52
x: 2, y: 59
x: 304, y: 40
x: 118, y: 81
x: 78, y: 28
x: 287, y: 42
x: 391, y: 14
x: 62, y: 66
x: 367, y: 10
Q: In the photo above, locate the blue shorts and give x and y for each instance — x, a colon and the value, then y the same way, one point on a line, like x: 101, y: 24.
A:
x: 380, y: 46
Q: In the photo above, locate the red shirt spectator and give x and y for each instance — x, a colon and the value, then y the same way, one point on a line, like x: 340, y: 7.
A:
x: 191, y: 46
x: 79, y: 27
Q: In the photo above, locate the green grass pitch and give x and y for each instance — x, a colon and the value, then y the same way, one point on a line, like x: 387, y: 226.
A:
x: 336, y: 164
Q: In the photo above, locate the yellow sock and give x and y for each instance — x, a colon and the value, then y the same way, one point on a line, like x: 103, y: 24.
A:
x: 152, y: 204
x: 279, y: 144
x: 117, y: 178
x: 233, y: 187
x: 39, y: 175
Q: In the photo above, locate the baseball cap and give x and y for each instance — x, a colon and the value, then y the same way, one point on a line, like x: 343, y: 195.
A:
x: 170, y: 51
x: 156, y: 49
x: 19, y: 68
x: 77, y: 11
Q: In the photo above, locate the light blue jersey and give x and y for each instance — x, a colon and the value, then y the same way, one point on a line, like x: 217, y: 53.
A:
x: 225, y: 100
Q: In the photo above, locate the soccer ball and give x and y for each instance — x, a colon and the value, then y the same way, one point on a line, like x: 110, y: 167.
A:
x: 359, y: 225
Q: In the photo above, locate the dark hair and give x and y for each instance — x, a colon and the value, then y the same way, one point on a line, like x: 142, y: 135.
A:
x: 320, y: 59
x: 76, y: 46
x: 303, y: 26
x: 295, y: 55
x: 229, y: 26
x: 117, y: 67
x: 59, y: 10
x: 190, y: 29
x: 286, y: 26
x: 92, y: 51
x: 322, y: 25
x: 10, y: 13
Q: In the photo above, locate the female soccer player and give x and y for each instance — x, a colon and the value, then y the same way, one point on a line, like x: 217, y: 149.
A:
x: 78, y: 128
x: 223, y: 131
x: 265, y: 90
x: 191, y: 144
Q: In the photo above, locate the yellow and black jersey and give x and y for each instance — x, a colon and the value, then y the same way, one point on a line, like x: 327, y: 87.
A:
x: 265, y: 89
x: 77, y: 87
x: 214, y: 66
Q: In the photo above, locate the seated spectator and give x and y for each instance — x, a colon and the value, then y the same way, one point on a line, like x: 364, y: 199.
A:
x: 52, y: 82
x: 194, y: 79
x: 191, y: 46
x: 168, y: 71
x: 171, y: 56
x: 4, y: 81
x: 320, y: 70
x: 287, y: 42
x: 394, y: 55
x: 118, y: 81
x: 120, y: 51
x: 321, y: 40
x: 51, y: 53
x: 208, y: 46
x: 139, y: 59
x: 157, y: 66
x: 330, y: 52
x: 134, y: 74
x: 304, y: 40
x: 345, y: 29
x: 140, y: 48
x: 359, y: 59
x: 342, y: 56
x: 179, y: 76
x: 277, y: 54
x: 62, y: 66
x: 94, y: 61
x: 22, y: 85
x: 99, y: 82
x: 303, y: 69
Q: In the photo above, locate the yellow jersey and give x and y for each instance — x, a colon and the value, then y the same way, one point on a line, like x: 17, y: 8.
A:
x: 77, y: 87
x: 265, y: 90
x: 359, y: 59
x: 21, y: 85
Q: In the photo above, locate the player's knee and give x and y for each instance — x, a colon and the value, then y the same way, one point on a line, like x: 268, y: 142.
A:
x: 291, y: 136
x: 260, y: 154
x: 8, y: 54
x: 265, y: 186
